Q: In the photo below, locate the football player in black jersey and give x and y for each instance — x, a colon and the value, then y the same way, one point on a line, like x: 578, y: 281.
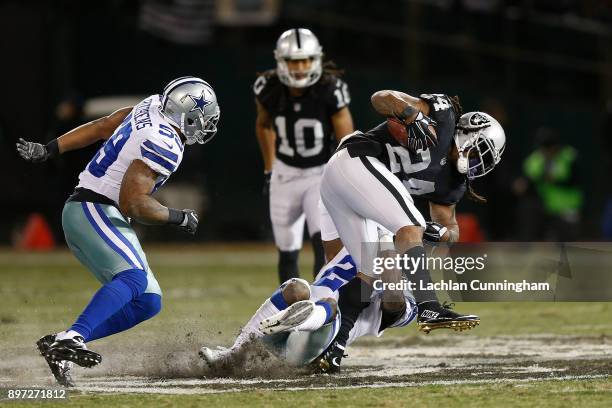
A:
x: 302, y: 109
x: 427, y: 148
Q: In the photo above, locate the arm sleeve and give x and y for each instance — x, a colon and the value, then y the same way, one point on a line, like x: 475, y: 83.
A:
x: 337, y: 95
x: 440, y: 107
x: 263, y: 91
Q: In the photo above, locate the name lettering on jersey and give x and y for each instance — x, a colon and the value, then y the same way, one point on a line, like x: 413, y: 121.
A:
x: 142, y: 117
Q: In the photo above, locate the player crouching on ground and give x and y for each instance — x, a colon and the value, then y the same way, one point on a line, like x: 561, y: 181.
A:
x: 144, y: 146
x: 301, y: 320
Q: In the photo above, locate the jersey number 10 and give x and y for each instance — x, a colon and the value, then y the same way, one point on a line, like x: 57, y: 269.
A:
x: 300, y: 142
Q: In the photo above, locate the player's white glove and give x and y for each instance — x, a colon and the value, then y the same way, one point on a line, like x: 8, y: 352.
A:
x: 35, y: 152
x: 434, y: 232
x: 187, y: 220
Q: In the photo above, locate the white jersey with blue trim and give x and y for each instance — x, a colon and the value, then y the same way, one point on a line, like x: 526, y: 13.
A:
x: 337, y: 273
x: 144, y: 135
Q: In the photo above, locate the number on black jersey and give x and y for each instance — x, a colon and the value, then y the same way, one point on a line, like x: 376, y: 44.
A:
x: 303, y: 124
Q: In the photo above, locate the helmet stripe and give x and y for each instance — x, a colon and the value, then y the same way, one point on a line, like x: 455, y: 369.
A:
x: 297, y: 37
x: 178, y: 82
x: 183, y: 78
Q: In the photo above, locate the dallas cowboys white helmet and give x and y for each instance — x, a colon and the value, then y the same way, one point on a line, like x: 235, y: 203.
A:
x: 190, y: 104
x: 480, y: 141
x: 298, y: 43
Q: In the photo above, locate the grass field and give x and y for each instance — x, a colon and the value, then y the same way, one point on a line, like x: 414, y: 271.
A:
x: 528, y: 354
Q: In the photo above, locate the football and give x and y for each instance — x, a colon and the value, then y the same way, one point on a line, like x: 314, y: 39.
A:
x: 398, y: 130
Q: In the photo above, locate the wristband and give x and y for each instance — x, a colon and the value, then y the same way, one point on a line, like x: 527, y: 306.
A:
x: 52, y: 148
x: 175, y: 217
x: 408, y: 111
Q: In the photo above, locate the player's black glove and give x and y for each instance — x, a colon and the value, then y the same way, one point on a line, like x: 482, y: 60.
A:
x: 187, y: 220
x: 419, y: 134
x: 36, y: 152
x: 266, y: 186
x: 434, y: 232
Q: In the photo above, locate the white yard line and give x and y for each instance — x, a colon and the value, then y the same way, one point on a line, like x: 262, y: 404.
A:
x: 138, y: 388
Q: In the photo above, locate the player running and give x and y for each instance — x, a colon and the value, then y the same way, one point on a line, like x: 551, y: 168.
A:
x: 430, y: 150
x: 300, y: 107
x: 144, y: 146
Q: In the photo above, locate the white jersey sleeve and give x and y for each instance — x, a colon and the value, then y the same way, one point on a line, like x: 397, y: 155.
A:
x: 162, y: 151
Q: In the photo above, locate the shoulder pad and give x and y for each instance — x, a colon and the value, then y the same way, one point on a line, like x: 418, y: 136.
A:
x: 162, y: 150
x: 264, y: 83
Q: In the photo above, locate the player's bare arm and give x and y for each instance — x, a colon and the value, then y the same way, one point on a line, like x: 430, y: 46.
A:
x: 395, y: 103
x: 266, y: 136
x: 82, y: 136
x: 342, y: 121
x: 445, y: 215
x: 91, y: 132
x: 135, y: 200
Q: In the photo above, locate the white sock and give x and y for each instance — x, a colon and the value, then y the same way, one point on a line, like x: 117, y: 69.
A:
x: 315, y: 320
x: 67, y: 334
x: 251, y: 329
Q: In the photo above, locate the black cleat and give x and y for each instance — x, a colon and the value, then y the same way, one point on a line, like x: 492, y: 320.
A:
x: 59, y: 369
x: 74, y: 350
x: 329, y: 361
x: 432, y: 315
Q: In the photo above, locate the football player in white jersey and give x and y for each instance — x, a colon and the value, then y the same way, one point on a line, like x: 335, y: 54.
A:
x: 143, y: 147
x: 301, y: 320
x: 302, y: 109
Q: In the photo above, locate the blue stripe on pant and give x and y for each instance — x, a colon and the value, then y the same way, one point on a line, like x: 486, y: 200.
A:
x: 103, y: 240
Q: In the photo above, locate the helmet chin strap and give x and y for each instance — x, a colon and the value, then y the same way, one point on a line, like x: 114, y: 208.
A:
x: 463, y: 163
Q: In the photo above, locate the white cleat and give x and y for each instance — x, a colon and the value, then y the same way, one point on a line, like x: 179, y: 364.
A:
x: 212, y: 356
x: 289, y: 318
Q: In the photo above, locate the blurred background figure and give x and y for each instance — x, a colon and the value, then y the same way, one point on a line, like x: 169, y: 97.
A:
x: 550, y: 191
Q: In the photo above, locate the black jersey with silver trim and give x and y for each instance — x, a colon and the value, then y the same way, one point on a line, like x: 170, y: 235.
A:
x: 304, y: 131
x: 426, y: 173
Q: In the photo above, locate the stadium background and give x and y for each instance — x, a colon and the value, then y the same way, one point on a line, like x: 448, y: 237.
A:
x: 529, y: 63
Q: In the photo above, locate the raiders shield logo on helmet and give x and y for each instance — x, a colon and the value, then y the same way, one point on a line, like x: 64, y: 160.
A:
x: 478, y: 120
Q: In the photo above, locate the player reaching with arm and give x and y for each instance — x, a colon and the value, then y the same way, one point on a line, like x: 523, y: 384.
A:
x: 300, y: 107
x: 409, y: 157
x: 144, y: 146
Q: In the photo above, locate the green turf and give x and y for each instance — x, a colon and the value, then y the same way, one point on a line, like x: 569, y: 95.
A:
x: 210, y: 292
x: 597, y: 393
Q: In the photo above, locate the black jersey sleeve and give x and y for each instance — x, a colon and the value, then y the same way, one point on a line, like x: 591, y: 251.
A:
x: 440, y: 108
x: 450, y: 189
x: 336, y: 94
x: 266, y: 88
